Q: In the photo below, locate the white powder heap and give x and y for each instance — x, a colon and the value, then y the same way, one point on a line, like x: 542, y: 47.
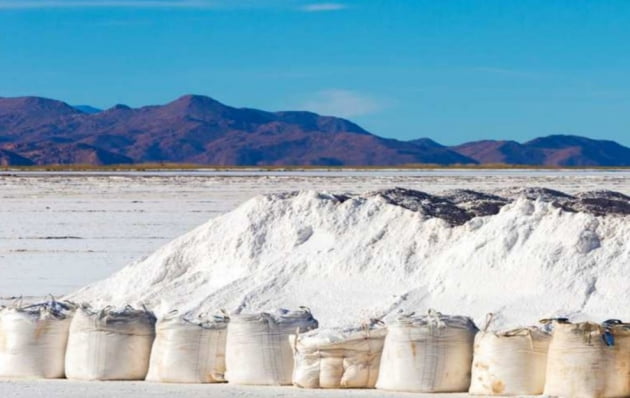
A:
x: 355, y: 257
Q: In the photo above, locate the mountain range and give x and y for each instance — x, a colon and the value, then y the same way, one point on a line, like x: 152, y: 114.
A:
x: 200, y: 130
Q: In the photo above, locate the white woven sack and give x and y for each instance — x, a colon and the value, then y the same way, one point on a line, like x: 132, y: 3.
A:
x: 577, y: 361
x: 510, y: 363
x: 109, y: 344
x: 618, y: 350
x: 431, y: 353
x: 588, y: 360
x: 258, y: 350
x: 33, y: 339
x: 338, y: 358
x: 189, y: 351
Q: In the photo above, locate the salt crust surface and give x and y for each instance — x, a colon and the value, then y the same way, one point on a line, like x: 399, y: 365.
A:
x: 354, y: 257
x: 61, y: 231
x: 61, y: 388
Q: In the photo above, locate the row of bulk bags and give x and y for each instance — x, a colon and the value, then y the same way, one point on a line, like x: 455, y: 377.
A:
x: 431, y: 353
x: 189, y: 351
x: 258, y: 350
x: 338, y: 358
x: 33, y: 339
x: 513, y: 362
x: 110, y: 344
x: 589, y: 360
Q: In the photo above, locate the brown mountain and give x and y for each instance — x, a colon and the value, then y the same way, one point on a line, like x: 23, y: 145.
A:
x: 197, y: 129
x: 505, y: 152
x: 553, y: 150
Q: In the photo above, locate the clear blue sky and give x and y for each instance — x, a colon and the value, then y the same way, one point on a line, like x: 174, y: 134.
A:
x: 450, y: 70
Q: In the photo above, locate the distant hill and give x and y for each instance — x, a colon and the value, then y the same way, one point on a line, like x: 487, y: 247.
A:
x: 553, y: 150
x: 195, y: 129
x: 200, y: 130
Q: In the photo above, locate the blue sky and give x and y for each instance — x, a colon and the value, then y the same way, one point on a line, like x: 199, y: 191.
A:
x: 451, y: 70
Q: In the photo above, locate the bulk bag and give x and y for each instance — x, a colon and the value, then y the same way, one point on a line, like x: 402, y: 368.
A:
x: 338, y: 358
x: 510, y: 363
x: 189, y: 351
x: 617, y: 339
x: 33, y: 339
x: 110, y: 344
x: 576, y: 363
x: 588, y: 360
x: 431, y: 353
x: 258, y: 350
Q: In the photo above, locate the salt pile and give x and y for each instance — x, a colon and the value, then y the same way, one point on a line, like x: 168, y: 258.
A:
x: 521, y: 254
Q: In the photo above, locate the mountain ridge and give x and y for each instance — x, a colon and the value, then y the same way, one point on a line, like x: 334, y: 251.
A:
x: 201, y: 130
x: 551, y: 150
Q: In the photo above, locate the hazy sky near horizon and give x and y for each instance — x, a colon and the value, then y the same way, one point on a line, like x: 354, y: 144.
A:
x: 451, y: 70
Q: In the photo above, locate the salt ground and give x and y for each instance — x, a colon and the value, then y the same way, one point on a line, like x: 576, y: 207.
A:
x: 97, y: 215
x: 60, y: 231
x: 95, y: 389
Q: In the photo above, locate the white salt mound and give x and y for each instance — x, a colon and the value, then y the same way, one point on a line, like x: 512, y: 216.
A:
x: 521, y: 254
